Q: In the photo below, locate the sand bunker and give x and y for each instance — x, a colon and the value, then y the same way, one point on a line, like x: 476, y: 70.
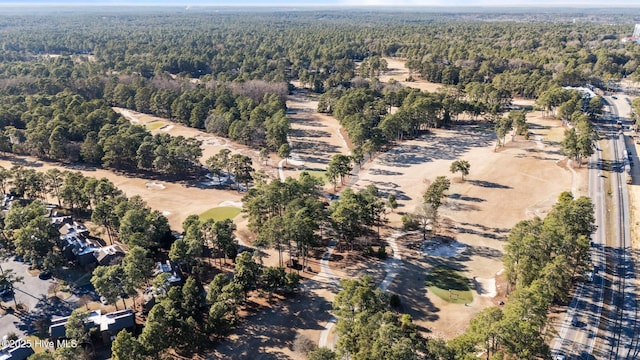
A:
x: 442, y: 248
x: 485, y: 287
x: 155, y: 186
x: 237, y: 204
x: 211, y: 141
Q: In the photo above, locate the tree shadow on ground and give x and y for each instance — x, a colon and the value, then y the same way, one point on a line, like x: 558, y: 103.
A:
x: 485, y: 251
x: 306, y: 122
x: 274, y: 327
x: 503, y: 231
x: 488, y: 184
x: 46, y: 308
x: 437, y: 148
x: 410, y: 287
x: 548, y: 152
x: 484, y: 234
x: 308, y: 133
x: 15, y: 160
x: 466, y: 198
x: 385, y: 188
x: 534, y: 126
x: 385, y: 172
x: 461, y: 206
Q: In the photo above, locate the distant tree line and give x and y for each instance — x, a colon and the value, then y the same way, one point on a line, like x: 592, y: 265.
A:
x: 65, y: 127
x: 202, y: 76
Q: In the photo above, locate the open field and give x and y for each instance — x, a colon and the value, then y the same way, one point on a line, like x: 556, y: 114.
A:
x: 211, y: 144
x: 519, y: 181
x: 505, y: 186
x: 176, y: 201
x: 315, y: 137
x: 516, y: 182
x: 398, y: 72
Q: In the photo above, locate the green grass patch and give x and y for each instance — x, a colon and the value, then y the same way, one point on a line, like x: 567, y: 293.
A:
x: 449, y: 285
x: 317, y: 173
x: 154, y: 125
x: 220, y: 213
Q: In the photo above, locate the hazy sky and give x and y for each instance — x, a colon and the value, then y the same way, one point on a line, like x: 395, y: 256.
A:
x: 390, y: 3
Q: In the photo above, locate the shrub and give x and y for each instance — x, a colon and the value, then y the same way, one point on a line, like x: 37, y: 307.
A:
x: 409, y: 222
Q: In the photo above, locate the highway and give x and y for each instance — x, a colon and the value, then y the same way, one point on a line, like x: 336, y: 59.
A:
x: 600, y: 322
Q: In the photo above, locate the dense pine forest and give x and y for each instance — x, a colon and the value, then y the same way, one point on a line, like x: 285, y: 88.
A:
x: 228, y: 73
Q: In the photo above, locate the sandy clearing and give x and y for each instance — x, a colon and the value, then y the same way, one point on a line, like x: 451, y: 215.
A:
x: 397, y: 71
x: 231, y: 203
x: 155, y: 185
x: 486, y: 286
x: 315, y: 137
x: 437, y: 248
x: 177, y: 200
x: 504, y: 187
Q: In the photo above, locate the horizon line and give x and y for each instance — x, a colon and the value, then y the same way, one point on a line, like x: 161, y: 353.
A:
x: 510, y: 6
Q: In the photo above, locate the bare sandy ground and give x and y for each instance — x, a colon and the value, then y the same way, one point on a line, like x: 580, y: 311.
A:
x: 398, y: 72
x: 519, y: 181
x: 505, y: 186
x: 315, y: 137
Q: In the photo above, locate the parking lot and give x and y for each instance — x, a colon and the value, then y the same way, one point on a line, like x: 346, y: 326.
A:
x: 32, y: 292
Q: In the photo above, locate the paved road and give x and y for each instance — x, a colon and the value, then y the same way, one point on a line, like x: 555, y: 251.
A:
x: 618, y: 335
x: 576, y: 334
x: 600, y: 321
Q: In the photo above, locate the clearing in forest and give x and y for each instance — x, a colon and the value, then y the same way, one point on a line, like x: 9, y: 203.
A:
x: 519, y: 181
